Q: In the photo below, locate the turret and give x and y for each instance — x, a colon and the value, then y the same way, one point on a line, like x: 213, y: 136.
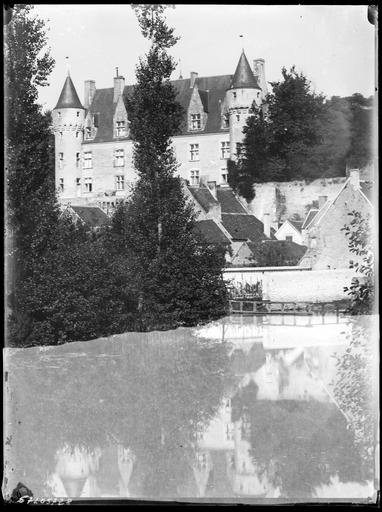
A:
x: 243, y: 91
x: 68, y: 124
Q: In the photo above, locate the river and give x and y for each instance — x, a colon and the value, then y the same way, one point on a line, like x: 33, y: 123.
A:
x: 246, y: 410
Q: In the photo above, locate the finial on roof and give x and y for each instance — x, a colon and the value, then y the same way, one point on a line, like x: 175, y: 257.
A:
x: 116, y: 73
x: 180, y: 69
x: 67, y: 66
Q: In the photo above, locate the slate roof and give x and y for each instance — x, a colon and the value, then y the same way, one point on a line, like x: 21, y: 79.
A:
x: 216, y: 86
x: 228, y: 201
x: 244, y: 76
x: 204, y: 197
x: 284, y: 252
x: 309, y: 218
x: 92, y: 216
x: 211, y: 232
x: 69, y: 97
x: 244, y: 227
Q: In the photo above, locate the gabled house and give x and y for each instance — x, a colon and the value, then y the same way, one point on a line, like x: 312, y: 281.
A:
x: 92, y: 217
x: 327, y: 244
x: 290, y: 230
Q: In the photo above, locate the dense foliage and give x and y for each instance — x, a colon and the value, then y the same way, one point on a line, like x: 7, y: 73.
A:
x: 297, y: 134
x: 176, y: 277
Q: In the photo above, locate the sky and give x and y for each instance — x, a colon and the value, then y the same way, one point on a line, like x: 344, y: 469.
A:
x: 332, y: 45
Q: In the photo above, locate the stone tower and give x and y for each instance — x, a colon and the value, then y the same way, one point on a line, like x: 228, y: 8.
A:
x: 243, y: 91
x: 68, y: 124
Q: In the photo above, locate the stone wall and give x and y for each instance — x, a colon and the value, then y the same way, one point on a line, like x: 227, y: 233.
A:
x: 296, y: 285
x: 285, y: 199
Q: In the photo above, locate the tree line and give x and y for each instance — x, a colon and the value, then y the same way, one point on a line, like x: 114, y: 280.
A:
x: 150, y: 269
x: 300, y: 135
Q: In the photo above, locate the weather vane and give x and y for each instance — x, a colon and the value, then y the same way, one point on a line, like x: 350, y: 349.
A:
x: 67, y: 65
x: 241, y: 36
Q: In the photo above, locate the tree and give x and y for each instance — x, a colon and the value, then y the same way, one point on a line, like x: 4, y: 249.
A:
x: 178, y: 281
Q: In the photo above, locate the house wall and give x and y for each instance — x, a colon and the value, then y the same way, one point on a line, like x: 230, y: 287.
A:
x: 284, y: 199
x: 327, y: 243
x: 288, y: 230
x: 296, y: 285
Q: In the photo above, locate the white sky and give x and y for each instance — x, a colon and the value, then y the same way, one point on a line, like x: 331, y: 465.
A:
x: 332, y: 45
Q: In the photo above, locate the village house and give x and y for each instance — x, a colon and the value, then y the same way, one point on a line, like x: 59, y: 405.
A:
x: 290, y: 230
x: 91, y: 217
x: 328, y: 246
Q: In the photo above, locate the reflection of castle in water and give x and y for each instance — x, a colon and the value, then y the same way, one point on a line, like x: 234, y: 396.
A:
x: 280, y: 363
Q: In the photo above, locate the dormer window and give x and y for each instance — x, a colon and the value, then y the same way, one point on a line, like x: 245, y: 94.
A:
x: 88, y: 132
x: 196, y: 123
x: 120, y: 129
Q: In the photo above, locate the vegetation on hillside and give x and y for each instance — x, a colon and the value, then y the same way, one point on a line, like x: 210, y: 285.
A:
x: 298, y: 134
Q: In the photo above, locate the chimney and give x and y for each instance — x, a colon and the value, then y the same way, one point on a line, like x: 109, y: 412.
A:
x: 259, y: 72
x: 267, y: 225
x: 354, y: 178
x: 193, y: 77
x: 212, y: 186
x: 119, y: 85
x: 321, y: 201
x: 90, y: 89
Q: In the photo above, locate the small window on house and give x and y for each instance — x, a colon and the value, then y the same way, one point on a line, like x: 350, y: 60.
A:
x: 120, y: 128
x: 224, y: 175
x: 238, y: 117
x: 88, y: 132
x: 78, y: 159
x: 289, y: 238
x: 194, y: 152
x: 88, y: 184
x: 78, y: 114
x: 224, y: 148
x: 78, y: 182
x: 61, y: 184
x: 195, y: 122
x: 77, y: 135
x: 120, y: 183
x: 229, y: 432
x: 88, y: 160
x: 60, y: 160
x: 119, y: 158
x: 194, y: 176
x: 234, y: 95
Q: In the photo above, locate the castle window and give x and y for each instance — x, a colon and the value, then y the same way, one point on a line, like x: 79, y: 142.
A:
x: 229, y: 432
x: 59, y: 115
x: 120, y: 183
x: 120, y: 128
x: 88, y: 184
x: 61, y: 135
x: 88, y: 132
x: 194, y: 152
x: 224, y: 147
x: 77, y: 135
x: 60, y: 160
x: 61, y: 184
x: 226, y: 121
x: 224, y: 175
x: 78, y: 114
x: 119, y: 158
x: 238, y: 117
x: 88, y: 160
x: 78, y: 159
x: 194, y: 176
x: 234, y: 95
x: 195, y: 122
x: 78, y: 182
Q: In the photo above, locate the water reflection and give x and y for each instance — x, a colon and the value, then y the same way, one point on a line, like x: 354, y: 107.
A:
x: 244, y: 407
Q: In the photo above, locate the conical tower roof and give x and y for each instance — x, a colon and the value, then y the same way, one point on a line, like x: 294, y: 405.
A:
x: 243, y: 76
x: 69, y: 97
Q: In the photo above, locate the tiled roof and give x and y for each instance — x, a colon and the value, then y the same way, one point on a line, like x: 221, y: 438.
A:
x: 228, y: 201
x: 204, y: 197
x: 69, y: 97
x: 281, y: 252
x: 211, y: 232
x: 309, y: 218
x: 92, y: 216
x: 244, y: 227
x: 243, y: 76
x: 216, y: 86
